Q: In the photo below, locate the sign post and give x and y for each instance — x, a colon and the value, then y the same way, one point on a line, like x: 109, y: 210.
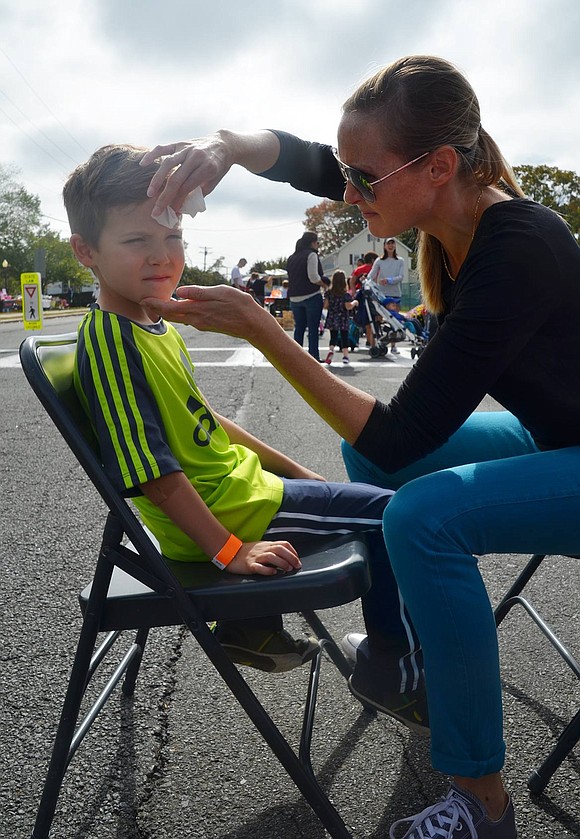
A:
x: 31, y: 300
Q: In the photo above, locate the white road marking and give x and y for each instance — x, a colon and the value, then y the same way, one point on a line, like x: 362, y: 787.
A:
x: 246, y: 357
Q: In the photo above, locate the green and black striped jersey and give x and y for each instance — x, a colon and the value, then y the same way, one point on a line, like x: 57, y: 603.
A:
x: 137, y: 386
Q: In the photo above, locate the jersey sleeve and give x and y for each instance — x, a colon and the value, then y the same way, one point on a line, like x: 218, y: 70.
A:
x: 308, y: 167
x: 112, y: 385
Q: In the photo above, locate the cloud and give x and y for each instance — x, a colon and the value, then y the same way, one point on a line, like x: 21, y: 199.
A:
x: 76, y: 75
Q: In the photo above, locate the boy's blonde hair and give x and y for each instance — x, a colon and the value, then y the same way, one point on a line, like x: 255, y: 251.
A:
x: 111, y: 177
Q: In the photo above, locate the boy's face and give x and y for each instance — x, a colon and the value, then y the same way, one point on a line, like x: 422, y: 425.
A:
x: 136, y: 257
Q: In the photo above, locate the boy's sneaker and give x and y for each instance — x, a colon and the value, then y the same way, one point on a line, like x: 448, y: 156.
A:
x: 408, y: 708
x: 345, y: 360
x: 350, y: 644
x: 272, y: 652
x: 395, y: 351
x: 328, y: 359
x: 460, y: 815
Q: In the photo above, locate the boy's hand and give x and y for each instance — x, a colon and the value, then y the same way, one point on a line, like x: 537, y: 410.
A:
x: 266, y: 558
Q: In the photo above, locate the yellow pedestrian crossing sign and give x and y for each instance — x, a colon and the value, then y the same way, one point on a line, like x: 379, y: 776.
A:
x: 31, y: 300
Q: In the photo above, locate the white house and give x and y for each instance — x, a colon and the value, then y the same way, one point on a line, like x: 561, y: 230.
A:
x: 345, y: 259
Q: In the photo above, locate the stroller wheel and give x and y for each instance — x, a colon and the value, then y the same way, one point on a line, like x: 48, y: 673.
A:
x: 414, y: 352
x: 383, y: 350
x: 374, y: 352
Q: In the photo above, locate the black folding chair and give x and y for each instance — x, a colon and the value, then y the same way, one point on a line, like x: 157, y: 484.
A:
x: 135, y: 588
x: 540, y: 777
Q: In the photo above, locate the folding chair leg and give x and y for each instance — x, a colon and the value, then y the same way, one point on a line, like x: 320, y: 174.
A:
x: 304, y: 751
x: 331, y: 648
x: 133, y: 669
x: 300, y: 772
x: 540, y: 777
x: 517, y: 587
x: 66, y: 729
x: 77, y: 684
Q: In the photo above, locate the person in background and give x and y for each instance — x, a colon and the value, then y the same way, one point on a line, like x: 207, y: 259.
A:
x: 305, y: 283
x: 338, y: 304
x: 361, y: 316
x: 412, y: 152
x: 257, y: 287
x: 388, y: 272
x: 237, y: 278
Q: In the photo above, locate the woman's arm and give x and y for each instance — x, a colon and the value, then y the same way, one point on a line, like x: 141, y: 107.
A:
x: 224, y: 309
x: 375, y: 270
x: 312, y: 270
x: 276, y: 155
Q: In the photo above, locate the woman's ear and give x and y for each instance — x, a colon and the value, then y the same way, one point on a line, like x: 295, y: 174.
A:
x: 443, y: 166
x: 82, y: 250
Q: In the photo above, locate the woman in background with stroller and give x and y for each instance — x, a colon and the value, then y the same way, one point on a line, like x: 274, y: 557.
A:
x: 412, y: 152
x: 388, y: 273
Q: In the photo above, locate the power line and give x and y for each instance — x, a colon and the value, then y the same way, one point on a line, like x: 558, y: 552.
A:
x: 44, y: 134
x: 41, y: 100
x: 30, y: 137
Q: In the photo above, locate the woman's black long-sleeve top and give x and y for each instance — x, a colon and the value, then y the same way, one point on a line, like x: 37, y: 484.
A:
x: 510, y: 329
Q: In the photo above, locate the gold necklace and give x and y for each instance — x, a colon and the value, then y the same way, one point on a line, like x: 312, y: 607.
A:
x: 473, y: 229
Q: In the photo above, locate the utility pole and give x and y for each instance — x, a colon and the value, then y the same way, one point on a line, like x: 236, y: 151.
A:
x: 205, y: 251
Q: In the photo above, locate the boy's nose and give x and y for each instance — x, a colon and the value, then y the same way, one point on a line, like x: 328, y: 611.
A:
x: 159, y: 255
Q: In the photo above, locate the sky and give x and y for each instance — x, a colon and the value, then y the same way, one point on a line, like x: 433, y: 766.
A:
x: 75, y: 75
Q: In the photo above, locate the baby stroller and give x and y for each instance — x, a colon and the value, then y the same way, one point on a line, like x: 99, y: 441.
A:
x: 389, y: 329
x: 418, y: 322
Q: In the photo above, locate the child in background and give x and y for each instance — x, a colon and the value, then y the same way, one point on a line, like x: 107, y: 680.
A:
x: 338, y: 303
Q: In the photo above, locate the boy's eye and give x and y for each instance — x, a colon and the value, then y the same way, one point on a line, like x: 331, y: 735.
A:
x: 135, y: 239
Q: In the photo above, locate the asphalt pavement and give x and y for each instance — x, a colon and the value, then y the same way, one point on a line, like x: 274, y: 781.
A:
x: 180, y: 759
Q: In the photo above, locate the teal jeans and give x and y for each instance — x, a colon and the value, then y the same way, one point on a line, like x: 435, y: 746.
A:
x: 489, y: 489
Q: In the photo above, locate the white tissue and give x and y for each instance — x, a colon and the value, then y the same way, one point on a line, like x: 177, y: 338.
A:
x: 193, y: 204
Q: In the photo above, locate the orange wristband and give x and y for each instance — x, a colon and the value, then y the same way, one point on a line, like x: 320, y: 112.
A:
x: 224, y: 556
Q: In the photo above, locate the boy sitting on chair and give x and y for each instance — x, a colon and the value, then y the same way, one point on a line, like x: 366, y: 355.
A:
x: 207, y: 489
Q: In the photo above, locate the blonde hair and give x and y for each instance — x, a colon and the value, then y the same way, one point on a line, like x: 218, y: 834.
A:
x: 423, y: 102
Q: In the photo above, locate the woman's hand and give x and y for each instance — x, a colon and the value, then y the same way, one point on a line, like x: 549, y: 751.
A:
x: 186, y: 165
x: 215, y: 309
x: 265, y: 558
x: 204, y: 161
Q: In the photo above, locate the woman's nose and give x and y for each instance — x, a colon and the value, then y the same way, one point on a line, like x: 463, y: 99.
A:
x: 351, y: 195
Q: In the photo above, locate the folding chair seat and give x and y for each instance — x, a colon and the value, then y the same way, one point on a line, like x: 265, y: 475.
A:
x: 540, y: 777
x: 135, y: 588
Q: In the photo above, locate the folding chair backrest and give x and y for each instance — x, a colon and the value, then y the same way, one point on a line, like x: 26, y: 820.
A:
x: 48, y: 364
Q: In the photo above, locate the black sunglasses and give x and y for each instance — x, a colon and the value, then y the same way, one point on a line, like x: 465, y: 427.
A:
x: 362, y: 183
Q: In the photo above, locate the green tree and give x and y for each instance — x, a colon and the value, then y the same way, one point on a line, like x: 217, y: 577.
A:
x: 263, y: 266
x: 61, y: 265
x: 334, y: 222
x: 20, y: 226
x: 192, y: 275
x: 556, y: 188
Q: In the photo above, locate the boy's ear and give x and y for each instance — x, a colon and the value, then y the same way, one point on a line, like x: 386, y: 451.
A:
x: 82, y: 250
